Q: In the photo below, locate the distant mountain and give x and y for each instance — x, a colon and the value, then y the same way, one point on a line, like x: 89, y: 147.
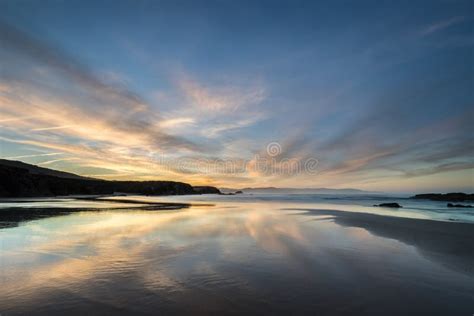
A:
x: 274, y: 190
x: 40, y: 170
x: 18, y: 179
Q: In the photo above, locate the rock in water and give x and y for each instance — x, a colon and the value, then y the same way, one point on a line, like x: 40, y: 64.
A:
x: 458, y: 205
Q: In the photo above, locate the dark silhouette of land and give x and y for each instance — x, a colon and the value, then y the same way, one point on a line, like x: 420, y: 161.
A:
x: 448, y: 197
x: 18, y: 179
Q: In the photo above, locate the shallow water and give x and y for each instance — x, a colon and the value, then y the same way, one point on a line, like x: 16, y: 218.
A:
x: 411, y: 208
x: 231, y: 258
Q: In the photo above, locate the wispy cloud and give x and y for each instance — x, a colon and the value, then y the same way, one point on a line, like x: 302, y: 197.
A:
x: 177, y: 122
x: 454, y: 166
x: 52, y: 101
x: 441, y: 25
x: 228, y: 98
x: 52, y: 128
x: 212, y: 110
x: 49, y: 162
x: 107, y: 112
x: 33, y: 156
x: 214, y: 130
x: 14, y: 119
x: 100, y: 125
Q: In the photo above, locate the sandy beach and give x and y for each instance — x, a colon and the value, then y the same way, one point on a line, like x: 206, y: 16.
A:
x: 450, y: 243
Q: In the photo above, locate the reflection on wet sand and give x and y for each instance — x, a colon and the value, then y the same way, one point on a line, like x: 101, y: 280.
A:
x: 225, y: 259
x: 450, y: 243
x: 36, y: 209
x: 72, y: 252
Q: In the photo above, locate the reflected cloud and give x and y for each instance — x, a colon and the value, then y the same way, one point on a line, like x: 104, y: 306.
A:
x: 153, y: 255
x: 445, y: 242
x: 99, y: 242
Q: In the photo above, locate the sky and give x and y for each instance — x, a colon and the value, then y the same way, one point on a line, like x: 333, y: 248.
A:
x: 375, y: 95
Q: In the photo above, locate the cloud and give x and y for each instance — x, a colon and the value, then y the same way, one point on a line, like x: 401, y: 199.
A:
x: 214, y: 130
x: 211, y: 110
x: 55, y: 58
x: 455, y: 166
x: 13, y: 119
x: 441, y: 25
x: 177, y: 122
x: 441, y: 146
x: 33, y: 156
x: 228, y: 98
x: 49, y: 100
x: 56, y: 160
x: 105, y: 111
x: 51, y: 128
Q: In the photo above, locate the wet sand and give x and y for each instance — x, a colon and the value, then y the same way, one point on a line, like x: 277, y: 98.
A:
x: 232, y: 259
x: 451, y: 243
x: 11, y: 217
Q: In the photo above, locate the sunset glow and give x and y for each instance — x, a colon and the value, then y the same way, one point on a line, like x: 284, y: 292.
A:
x: 381, y: 105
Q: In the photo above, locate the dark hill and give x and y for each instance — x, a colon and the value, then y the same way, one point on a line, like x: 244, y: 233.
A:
x: 39, y: 170
x: 206, y: 190
x: 16, y: 181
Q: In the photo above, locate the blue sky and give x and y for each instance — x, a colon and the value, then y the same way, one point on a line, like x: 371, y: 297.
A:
x: 378, y: 92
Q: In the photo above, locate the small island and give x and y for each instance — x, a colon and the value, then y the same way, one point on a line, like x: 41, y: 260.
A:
x: 448, y: 197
